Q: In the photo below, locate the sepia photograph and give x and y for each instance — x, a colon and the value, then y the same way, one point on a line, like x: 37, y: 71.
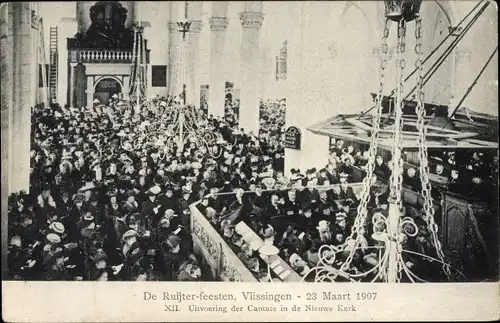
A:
x: 250, y: 141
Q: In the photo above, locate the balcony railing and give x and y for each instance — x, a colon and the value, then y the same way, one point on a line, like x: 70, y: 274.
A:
x: 102, y: 56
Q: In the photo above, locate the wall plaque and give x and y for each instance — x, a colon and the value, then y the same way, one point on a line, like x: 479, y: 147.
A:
x: 293, y: 138
x: 108, y: 85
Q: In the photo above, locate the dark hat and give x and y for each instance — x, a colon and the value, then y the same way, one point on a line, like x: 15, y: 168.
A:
x: 78, y: 198
x: 99, y: 256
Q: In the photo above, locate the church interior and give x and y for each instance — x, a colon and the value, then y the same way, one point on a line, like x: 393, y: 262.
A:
x: 252, y: 141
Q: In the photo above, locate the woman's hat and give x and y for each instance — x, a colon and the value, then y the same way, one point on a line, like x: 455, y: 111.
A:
x: 57, y: 227
x: 269, y: 182
x: 340, y: 215
x: 323, y: 225
x: 294, y: 258
x: 129, y: 234
x: 164, y: 220
x: 100, y: 256
x: 53, y: 238
x: 155, y: 190
x: 87, y: 186
x: 16, y: 241
x: 268, y: 232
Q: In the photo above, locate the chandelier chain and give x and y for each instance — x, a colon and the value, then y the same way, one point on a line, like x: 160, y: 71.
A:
x: 367, y: 181
x: 396, y: 179
x: 428, y: 207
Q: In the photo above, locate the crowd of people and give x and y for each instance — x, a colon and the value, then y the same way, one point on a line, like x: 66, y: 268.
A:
x: 465, y: 173
x: 98, y: 210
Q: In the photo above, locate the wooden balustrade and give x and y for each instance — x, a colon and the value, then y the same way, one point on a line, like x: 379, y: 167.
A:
x: 101, y: 56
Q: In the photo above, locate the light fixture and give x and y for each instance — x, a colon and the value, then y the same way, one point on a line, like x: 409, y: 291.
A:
x: 393, y: 228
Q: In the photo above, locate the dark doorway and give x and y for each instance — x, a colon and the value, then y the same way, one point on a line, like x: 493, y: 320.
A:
x: 106, y: 88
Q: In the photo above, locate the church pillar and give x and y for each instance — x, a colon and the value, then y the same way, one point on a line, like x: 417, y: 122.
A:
x: 251, y: 22
x: 66, y: 28
x: 126, y: 86
x: 300, y: 112
x: 175, y: 68
x: 194, y: 16
x: 193, y: 94
x: 72, y: 81
x: 21, y: 112
x: 90, y: 92
x: 216, y: 89
x: 6, y: 85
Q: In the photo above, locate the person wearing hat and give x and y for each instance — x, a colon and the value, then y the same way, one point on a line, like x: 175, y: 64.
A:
x: 55, y: 266
x: 190, y: 272
x: 131, y: 205
x: 258, y: 198
x: 16, y: 258
x: 310, y: 194
x: 346, y: 192
x: 99, y: 270
x: 411, y: 180
x: 151, y: 207
x: 298, y: 264
x: 131, y: 253
x: 292, y: 204
x: 324, y: 232
x: 381, y: 169
x: 86, y: 225
x: 172, y: 256
x: 456, y: 183
x: 64, y: 202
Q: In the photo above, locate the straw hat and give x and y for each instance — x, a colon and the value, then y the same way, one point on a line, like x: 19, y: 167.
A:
x: 53, y: 238
x: 57, y: 227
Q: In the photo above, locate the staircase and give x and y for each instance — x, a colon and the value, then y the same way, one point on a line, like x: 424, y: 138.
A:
x: 53, y: 65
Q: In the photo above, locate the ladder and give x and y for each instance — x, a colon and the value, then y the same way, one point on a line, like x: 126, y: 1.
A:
x: 42, y: 61
x: 53, y: 64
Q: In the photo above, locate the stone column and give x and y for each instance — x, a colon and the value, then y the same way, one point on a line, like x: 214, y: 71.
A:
x: 126, y: 86
x: 193, y: 95
x: 71, y: 84
x: 194, y: 16
x: 300, y: 112
x: 216, y: 88
x: 21, y: 112
x: 176, y: 11
x: 34, y: 57
x: 90, y: 92
x: 67, y: 27
x: 251, y: 22
x: 6, y: 85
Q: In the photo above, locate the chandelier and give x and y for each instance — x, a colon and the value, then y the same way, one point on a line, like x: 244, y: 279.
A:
x: 168, y: 127
x: 391, y: 229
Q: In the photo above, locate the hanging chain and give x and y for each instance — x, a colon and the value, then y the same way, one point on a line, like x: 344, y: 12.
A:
x: 428, y: 211
x: 396, y: 179
x: 365, y: 198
